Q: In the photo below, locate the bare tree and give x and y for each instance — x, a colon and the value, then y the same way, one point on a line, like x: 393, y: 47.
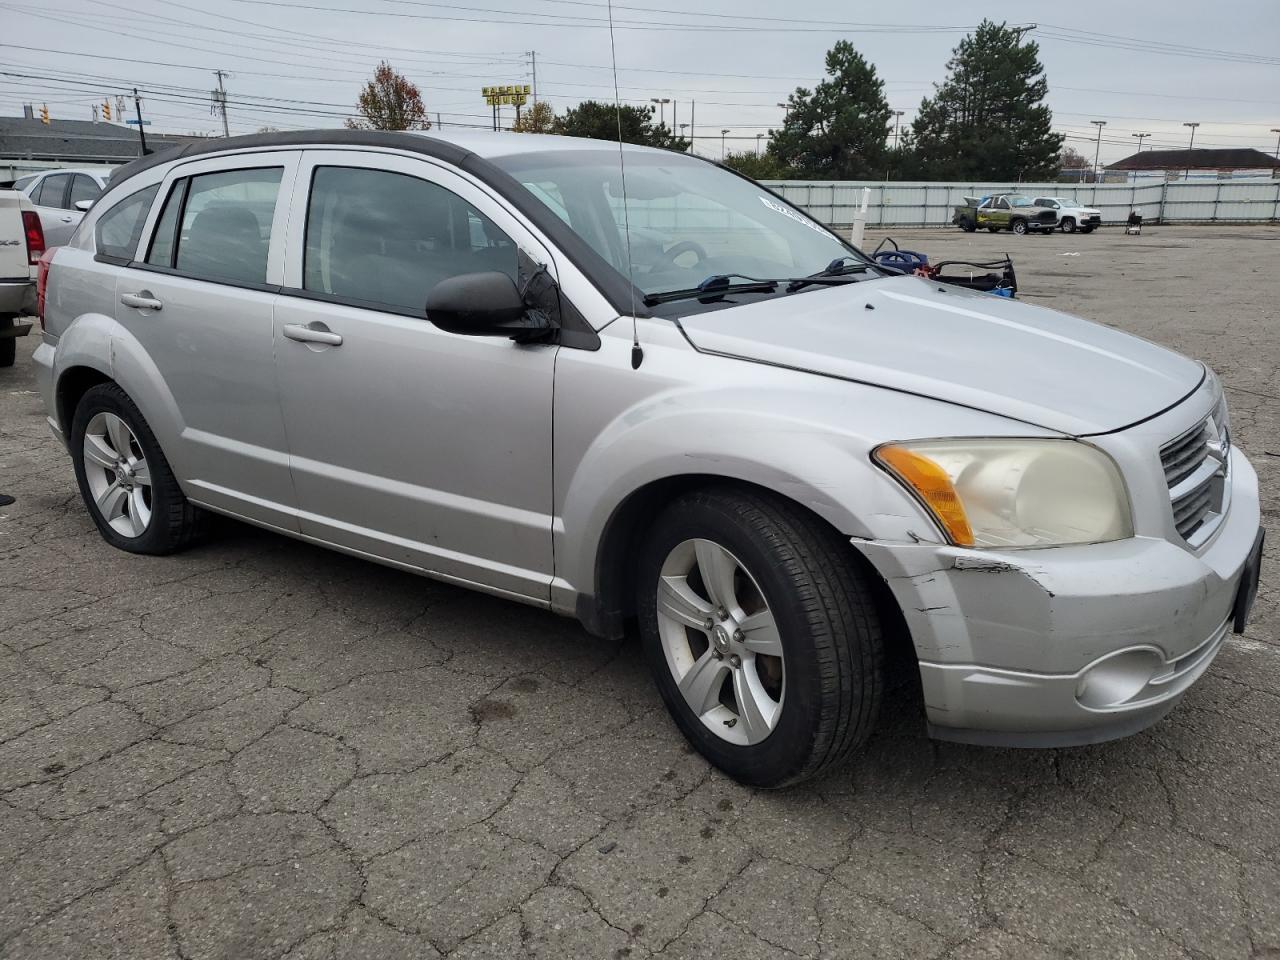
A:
x: 390, y: 102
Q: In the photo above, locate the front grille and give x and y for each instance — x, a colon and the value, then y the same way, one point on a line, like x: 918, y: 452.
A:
x: 1195, y: 470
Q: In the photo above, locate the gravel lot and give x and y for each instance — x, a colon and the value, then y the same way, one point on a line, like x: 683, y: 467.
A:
x: 260, y: 749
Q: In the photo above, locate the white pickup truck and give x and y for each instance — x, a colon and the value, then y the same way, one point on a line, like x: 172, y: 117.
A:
x: 21, y: 246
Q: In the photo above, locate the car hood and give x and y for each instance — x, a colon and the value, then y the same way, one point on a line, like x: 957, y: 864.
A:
x: 1009, y: 358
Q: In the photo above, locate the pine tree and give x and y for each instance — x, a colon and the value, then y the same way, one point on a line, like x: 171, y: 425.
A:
x: 838, y: 130
x: 988, y: 119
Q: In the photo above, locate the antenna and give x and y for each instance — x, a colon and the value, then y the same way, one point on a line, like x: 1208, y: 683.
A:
x: 637, y: 354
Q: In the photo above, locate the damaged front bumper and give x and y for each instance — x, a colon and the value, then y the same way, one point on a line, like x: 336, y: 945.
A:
x: 1069, y: 645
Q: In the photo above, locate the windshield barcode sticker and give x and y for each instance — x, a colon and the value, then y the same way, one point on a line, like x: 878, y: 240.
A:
x: 787, y: 212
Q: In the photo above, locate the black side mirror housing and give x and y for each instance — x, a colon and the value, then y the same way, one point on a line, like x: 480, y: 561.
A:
x: 484, y: 305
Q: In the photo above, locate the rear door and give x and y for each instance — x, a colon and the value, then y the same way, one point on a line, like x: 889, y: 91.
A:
x: 425, y: 448
x: 51, y: 201
x: 199, y: 299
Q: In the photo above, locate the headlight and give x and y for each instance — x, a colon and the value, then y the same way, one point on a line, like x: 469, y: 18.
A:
x: 1014, y: 493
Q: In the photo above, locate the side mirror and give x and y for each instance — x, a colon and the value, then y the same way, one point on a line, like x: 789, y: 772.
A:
x: 484, y: 305
x: 84, y: 205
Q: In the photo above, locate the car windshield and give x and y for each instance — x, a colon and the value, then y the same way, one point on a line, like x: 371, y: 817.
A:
x: 1019, y: 202
x: 689, y: 220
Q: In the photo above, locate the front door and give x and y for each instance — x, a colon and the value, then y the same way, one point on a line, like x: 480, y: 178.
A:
x: 428, y: 449
x: 198, y: 297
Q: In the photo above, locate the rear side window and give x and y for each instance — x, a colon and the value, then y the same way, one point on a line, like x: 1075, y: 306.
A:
x: 51, y: 191
x: 22, y: 183
x: 118, y: 230
x: 386, y: 239
x: 83, y: 188
x: 217, y: 226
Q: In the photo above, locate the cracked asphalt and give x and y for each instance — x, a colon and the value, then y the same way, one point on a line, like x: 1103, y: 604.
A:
x: 258, y: 748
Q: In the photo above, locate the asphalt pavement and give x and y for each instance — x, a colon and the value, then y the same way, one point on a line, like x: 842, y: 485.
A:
x: 258, y: 748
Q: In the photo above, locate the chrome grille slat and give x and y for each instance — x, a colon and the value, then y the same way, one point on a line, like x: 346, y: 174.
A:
x: 1195, y: 475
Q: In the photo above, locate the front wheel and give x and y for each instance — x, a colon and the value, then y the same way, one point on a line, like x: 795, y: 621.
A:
x: 1019, y: 227
x: 1068, y: 225
x: 762, y: 635
x: 1088, y: 229
x: 124, y: 478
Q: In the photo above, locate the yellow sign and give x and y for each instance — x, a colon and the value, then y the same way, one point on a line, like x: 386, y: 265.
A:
x: 510, y: 95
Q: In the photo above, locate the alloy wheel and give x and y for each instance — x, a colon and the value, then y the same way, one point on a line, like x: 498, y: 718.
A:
x: 721, y: 641
x: 118, y: 476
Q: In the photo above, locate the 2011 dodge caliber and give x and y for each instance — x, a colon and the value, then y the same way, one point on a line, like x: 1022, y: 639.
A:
x: 627, y: 383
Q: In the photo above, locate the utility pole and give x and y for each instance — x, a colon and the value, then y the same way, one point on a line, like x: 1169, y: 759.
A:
x: 1186, y: 174
x: 220, y: 100
x: 1024, y: 30
x: 693, y: 109
x: 1097, y: 152
x: 533, y: 67
x: 439, y: 122
x: 142, y: 130
x: 1276, y: 131
x: 759, y: 137
x: 897, y: 118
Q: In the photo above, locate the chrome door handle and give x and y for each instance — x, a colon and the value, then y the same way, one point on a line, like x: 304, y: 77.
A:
x: 309, y: 334
x: 142, y: 300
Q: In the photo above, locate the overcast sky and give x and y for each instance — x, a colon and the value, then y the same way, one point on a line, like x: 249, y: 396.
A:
x: 1141, y: 66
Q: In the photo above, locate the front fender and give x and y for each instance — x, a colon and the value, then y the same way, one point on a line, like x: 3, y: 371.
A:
x: 805, y: 437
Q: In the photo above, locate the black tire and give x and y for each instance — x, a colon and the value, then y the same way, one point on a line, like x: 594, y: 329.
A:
x: 1068, y: 225
x: 8, y: 345
x: 994, y: 229
x: 1019, y: 227
x: 175, y: 521
x: 967, y: 225
x: 1088, y: 229
x: 827, y: 621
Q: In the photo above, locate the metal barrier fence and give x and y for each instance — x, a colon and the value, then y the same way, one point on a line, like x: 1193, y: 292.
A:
x: 930, y: 204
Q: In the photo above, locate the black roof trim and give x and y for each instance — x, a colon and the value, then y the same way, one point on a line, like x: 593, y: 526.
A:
x: 613, y: 285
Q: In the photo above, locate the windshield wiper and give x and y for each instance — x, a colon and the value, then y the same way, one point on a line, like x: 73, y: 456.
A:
x: 714, y: 286
x: 837, y: 271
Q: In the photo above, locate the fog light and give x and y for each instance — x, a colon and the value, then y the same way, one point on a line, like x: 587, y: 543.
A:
x: 1118, y: 678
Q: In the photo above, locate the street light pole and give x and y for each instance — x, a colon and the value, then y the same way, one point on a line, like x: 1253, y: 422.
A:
x: 1276, y: 131
x: 759, y: 137
x: 897, y: 116
x: 1186, y: 174
x: 1141, y: 137
x: 722, y: 133
x: 662, y: 103
x: 1097, y: 150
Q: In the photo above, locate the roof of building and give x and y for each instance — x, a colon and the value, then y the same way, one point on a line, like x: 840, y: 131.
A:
x: 1235, y: 158
x: 27, y: 138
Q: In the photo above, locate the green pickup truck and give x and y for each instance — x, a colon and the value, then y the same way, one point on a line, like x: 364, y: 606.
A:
x: 1004, y: 211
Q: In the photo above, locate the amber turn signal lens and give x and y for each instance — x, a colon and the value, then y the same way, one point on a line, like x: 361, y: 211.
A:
x: 932, y: 485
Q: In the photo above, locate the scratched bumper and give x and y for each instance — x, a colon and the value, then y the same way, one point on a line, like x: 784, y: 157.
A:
x: 1067, y: 645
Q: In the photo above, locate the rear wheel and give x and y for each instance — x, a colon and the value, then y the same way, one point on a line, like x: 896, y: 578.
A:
x: 1068, y: 225
x: 8, y: 345
x: 994, y: 229
x: 967, y: 225
x: 124, y: 478
x: 762, y: 635
x: 1019, y: 227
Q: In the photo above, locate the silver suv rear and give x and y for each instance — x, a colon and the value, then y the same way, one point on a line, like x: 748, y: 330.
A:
x: 659, y: 395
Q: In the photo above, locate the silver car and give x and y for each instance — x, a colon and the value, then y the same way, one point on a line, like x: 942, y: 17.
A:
x: 61, y: 198
x: 786, y: 465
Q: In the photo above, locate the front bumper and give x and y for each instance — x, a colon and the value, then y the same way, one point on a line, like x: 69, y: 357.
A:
x: 1068, y: 645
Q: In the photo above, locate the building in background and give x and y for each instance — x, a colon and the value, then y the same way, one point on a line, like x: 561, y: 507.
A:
x: 28, y: 145
x: 1233, y: 164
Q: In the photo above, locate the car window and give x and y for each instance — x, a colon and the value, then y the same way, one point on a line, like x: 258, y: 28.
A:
x: 1002, y: 204
x: 23, y: 182
x: 160, y: 253
x: 387, y: 238
x: 83, y: 188
x: 118, y: 230
x: 225, y: 229
x: 50, y: 191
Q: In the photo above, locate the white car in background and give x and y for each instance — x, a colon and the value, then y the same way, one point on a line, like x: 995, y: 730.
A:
x: 61, y: 198
x: 1072, y: 216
